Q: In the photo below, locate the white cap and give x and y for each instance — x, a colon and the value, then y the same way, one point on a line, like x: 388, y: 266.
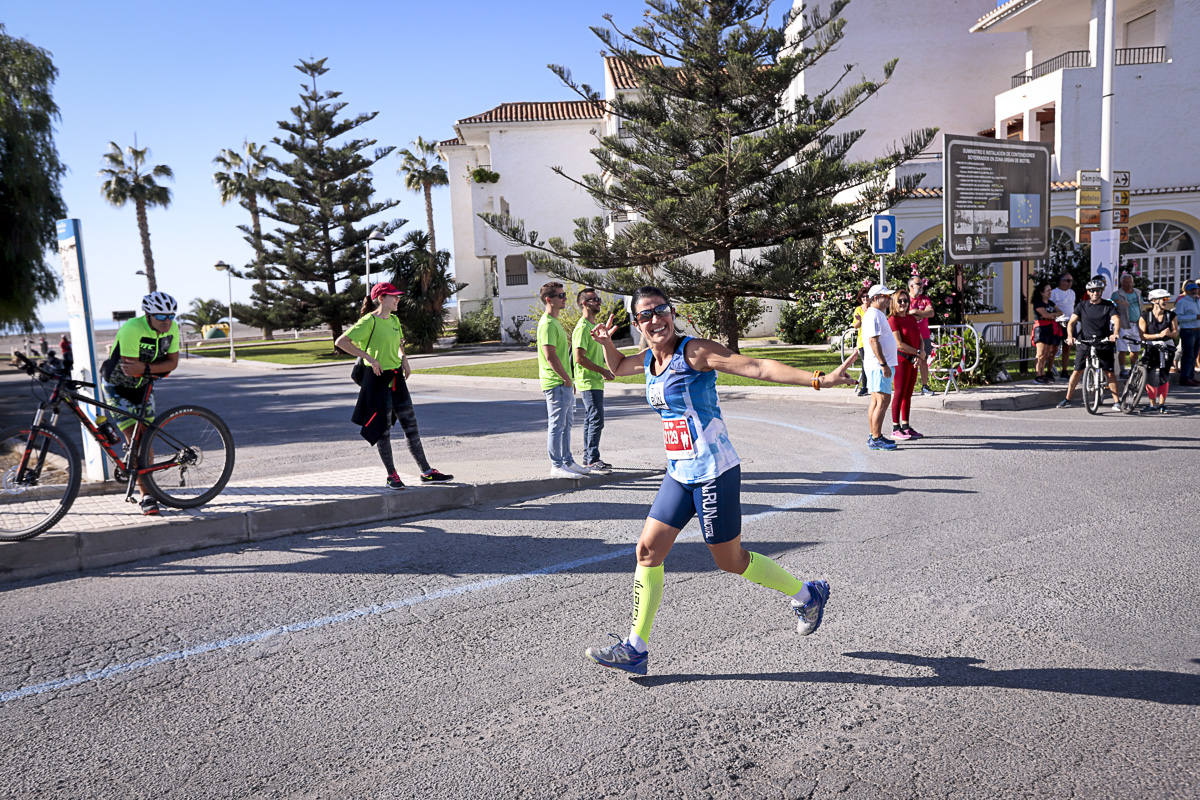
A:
x: 1158, y: 294
x: 878, y: 289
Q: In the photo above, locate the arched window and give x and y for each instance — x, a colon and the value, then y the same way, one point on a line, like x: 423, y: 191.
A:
x: 1162, y: 252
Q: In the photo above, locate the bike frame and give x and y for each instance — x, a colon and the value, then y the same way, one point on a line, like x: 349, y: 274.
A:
x: 64, y: 394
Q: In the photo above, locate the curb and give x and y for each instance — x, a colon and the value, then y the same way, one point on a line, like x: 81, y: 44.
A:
x: 54, y: 554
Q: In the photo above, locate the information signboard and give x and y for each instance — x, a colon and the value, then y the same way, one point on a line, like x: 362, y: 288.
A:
x: 996, y: 199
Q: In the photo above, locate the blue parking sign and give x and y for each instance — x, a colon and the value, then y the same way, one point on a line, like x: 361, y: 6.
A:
x: 883, y: 234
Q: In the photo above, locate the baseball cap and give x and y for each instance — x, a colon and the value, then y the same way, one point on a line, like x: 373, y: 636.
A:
x: 1158, y: 294
x: 878, y: 289
x: 380, y: 289
x: 1187, y: 287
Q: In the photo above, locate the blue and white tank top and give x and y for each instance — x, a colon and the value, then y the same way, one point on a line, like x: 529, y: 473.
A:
x: 694, y: 434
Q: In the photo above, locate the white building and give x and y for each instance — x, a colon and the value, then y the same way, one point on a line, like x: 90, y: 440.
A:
x: 1025, y: 69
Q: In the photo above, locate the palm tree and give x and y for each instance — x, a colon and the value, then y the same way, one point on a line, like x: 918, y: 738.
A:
x: 127, y: 180
x: 243, y: 178
x: 422, y: 172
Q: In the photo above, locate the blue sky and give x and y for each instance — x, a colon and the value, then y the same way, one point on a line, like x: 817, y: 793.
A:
x: 192, y: 78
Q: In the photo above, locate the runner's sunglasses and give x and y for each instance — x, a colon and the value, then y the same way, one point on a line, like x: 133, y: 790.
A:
x: 649, y: 313
x: 163, y: 317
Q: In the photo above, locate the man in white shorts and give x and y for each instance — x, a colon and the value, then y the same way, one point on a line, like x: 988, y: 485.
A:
x: 879, y: 361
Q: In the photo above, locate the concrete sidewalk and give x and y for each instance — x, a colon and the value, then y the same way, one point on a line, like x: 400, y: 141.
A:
x: 101, y: 530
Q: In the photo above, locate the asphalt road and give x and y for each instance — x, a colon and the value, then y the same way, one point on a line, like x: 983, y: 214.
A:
x: 1015, y: 612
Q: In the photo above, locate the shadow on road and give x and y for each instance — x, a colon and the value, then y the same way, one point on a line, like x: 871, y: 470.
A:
x: 1091, y: 444
x: 1155, y: 686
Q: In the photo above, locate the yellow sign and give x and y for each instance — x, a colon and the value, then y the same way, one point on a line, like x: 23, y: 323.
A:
x: 1087, y: 216
x: 1120, y: 197
x: 1088, y: 197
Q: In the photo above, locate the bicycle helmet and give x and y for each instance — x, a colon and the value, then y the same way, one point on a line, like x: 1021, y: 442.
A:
x: 1095, y: 283
x: 159, y: 303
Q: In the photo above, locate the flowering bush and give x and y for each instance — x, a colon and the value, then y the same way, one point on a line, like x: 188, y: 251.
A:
x: 828, y: 301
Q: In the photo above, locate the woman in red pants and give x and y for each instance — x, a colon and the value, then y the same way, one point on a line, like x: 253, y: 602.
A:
x: 908, y: 347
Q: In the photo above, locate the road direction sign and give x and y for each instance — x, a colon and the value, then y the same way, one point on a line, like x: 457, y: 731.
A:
x: 1087, y: 216
x: 1087, y: 197
x: 883, y: 234
x: 1121, y: 197
x: 1120, y: 179
x: 1088, y: 178
x: 1120, y: 216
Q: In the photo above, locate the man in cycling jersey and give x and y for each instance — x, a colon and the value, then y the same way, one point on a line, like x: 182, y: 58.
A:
x: 1097, y: 319
x: 145, y: 346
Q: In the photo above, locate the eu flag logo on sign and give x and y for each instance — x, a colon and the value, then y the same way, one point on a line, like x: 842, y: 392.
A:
x: 1024, y: 210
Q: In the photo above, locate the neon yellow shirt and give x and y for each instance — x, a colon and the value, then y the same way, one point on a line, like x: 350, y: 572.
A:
x: 551, y: 332
x: 858, y: 312
x: 582, y: 337
x: 136, y: 339
x: 381, y: 338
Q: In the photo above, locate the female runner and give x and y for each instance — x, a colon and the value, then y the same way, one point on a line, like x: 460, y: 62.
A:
x: 703, y: 473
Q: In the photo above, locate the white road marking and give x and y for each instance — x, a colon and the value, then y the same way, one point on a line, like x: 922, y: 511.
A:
x: 441, y: 594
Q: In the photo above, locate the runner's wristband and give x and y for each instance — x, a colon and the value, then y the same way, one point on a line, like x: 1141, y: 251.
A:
x: 816, y: 381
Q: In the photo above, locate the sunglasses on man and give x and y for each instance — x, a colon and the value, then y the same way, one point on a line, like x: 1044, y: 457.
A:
x: 649, y: 313
x: 163, y: 317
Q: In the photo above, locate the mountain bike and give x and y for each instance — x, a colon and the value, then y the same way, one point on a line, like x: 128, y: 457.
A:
x: 40, y: 467
x: 1093, y: 374
x: 1131, y: 393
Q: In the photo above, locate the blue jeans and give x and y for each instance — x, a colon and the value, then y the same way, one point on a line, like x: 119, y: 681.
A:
x: 593, y: 423
x: 560, y: 413
x: 1189, y: 342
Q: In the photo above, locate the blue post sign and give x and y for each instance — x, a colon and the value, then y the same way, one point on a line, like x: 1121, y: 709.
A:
x: 883, y: 234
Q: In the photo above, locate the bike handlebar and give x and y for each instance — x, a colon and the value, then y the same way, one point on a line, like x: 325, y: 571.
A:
x: 45, y: 373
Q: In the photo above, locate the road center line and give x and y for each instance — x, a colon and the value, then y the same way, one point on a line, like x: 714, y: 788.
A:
x: 441, y: 594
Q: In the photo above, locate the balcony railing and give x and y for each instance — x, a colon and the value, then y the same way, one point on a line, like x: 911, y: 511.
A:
x: 1130, y: 56
x: 1125, y: 57
x: 1068, y: 60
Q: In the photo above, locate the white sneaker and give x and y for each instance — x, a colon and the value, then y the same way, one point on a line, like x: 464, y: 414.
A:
x: 573, y: 467
x: 562, y: 472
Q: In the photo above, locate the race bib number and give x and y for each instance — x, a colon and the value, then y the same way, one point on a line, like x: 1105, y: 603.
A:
x: 656, y: 396
x: 677, y: 438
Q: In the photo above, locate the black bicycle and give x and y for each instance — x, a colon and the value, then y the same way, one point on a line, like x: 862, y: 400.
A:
x: 1093, y: 374
x: 40, y: 468
x: 1131, y: 393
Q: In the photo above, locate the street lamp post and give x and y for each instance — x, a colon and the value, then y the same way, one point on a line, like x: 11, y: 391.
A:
x: 223, y: 267
x: 374, y: 236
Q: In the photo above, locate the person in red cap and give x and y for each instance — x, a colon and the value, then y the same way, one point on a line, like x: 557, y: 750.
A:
x: 383, y: 398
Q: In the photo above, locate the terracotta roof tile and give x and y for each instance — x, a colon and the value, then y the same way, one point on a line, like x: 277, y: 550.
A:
x: 538, y: 112
x: 922, y: 192
x: 623, y: 77
x: 450, y: 142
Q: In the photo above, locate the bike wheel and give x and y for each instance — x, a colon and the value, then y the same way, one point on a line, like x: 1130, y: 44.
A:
x: 189, y: 452
x: 1093, y: 387
x: 35, y: 497
x: 1133, y: 389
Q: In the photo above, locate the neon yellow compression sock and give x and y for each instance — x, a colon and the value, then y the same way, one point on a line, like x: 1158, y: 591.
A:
x: 647, y: 594
x: 766, y: 572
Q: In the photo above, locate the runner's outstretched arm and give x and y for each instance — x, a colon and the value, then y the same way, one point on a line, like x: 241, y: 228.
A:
x: 706, y: 354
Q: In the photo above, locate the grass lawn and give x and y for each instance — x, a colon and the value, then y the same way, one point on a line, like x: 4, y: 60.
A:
x: 313, y: 351
x: 527, y: 367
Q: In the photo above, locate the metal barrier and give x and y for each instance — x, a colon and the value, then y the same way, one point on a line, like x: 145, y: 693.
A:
x: 961, y: 339
x: 1012, y: 343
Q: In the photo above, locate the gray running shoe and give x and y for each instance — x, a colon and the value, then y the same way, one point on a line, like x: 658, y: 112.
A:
x: 620, y: 656
x: 810, y: 614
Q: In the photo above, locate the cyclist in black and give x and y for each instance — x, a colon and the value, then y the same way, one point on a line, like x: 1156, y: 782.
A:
x: 1097, y: 318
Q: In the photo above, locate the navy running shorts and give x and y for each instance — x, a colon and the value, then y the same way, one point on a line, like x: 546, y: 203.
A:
x: 717, y: 502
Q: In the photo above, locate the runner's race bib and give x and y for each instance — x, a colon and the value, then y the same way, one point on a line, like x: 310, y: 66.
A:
x: 677, y: 438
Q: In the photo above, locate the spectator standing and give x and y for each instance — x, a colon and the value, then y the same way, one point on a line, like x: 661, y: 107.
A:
x: 879, y: 360
x: 43, y: 345
x: 590, y: 376
x: 1047, y: 332
x: 1129, y: 304
x: 1098, y: 319
x: 68, y: 356
x: 863, y: 304
x: 1158, y: 324
x: 908, y: 345
x: 554, y: 359
x: 920, y: 307
x: 1064, y: 300
x: 1187, y: 311
x: 383, y: 399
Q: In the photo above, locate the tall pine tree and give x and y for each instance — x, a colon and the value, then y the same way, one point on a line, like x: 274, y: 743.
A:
x: 712, y: 161
x: 325, y: 191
